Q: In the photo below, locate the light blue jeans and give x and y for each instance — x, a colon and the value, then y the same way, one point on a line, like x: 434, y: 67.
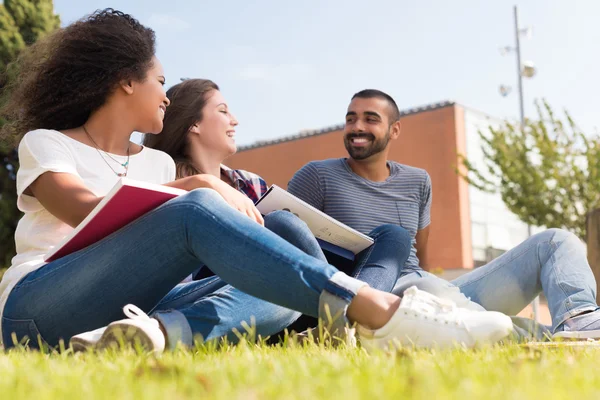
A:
x: 269, y: 281
x: 553, y: 262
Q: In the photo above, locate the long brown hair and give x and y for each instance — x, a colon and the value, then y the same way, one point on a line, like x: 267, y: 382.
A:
x: 188, y: 99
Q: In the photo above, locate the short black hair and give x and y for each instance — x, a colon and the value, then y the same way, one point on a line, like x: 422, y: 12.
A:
x: 374, y: 93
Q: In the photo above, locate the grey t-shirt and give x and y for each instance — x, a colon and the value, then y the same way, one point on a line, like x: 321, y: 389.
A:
x: 404, y: 198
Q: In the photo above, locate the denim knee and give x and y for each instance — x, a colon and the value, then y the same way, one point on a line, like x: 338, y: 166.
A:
x: 202, y: 196
x: 391, y: 231
x: 282, y: 222
x: 558, y: 236
x: 200, y: 203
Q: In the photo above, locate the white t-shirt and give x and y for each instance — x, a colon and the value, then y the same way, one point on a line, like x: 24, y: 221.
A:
x: 42, y: 150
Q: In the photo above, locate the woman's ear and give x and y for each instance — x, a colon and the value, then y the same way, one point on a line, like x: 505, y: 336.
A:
x: 195, y: 129
x: 127, y: 86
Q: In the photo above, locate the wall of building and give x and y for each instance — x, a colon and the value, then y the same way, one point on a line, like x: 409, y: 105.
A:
x: 429, y: 140
x: 495, y: 229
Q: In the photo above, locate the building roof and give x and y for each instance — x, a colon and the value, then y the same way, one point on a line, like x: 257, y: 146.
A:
x: 316, y: 132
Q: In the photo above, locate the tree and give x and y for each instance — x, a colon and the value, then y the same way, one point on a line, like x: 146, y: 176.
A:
x: 548, y: 173
x: 22, y: 22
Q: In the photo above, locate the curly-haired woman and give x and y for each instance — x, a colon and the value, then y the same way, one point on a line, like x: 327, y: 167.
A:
x: 81, y: 94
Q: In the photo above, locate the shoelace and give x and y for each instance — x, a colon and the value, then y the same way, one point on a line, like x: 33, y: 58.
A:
x: 448, y: 306
x: 132, y: 311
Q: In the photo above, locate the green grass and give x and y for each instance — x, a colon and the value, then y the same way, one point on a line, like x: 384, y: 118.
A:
x: 304, y: 372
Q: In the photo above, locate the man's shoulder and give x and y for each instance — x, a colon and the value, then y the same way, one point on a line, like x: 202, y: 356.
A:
x: 404, y: 171
x: 328, y: 163
x: 325, y: 165
x: 321, y: 165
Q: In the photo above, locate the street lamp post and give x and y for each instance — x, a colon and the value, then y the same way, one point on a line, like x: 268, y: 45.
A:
x: 523, y: 70
x: 520, y: 75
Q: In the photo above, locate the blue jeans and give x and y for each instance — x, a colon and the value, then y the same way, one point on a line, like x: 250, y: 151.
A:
x: 268, y: 278
x: 380, y: 265
x: 553, y: 262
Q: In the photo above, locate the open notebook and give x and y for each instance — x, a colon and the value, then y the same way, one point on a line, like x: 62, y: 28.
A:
x: 332, y: 235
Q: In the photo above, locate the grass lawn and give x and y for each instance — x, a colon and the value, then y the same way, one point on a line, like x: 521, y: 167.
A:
x: 304, y: 372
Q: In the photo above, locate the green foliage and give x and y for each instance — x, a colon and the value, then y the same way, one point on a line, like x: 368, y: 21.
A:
x: 11, y: 41
x: 22, y: 22
x: 34, y: 18
x: 547, y: 174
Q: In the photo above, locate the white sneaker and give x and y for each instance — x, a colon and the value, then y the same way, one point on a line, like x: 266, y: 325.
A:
x: 139, y: 329
x: 424, y: 320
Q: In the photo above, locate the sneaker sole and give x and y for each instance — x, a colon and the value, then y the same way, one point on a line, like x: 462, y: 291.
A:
x: 595, y: 334
x: 117, y: 335
x: 125, y: 334
x: 78, y: 344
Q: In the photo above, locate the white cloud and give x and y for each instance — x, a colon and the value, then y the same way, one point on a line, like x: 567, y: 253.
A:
x: 274, y: 72
x: 168, y: 21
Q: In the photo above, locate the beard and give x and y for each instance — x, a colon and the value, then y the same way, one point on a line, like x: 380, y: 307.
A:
x: 364, y: 152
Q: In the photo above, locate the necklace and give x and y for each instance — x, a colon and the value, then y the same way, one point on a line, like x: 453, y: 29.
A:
x: 124, y: 165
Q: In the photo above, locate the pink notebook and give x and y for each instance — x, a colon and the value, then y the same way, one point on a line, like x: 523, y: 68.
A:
x: 126, y: 201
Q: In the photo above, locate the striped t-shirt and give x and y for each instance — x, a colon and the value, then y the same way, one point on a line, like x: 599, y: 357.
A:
x: 404, y: 198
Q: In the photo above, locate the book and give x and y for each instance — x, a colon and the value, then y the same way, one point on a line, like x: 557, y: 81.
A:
x: 127, y: 201
x: 331, y: 234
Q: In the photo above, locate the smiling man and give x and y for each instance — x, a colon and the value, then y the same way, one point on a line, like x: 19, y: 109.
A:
x: 366, y: 190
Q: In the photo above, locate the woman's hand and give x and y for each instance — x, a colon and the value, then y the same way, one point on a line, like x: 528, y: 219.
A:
x: 234, y: 198
x: 237, y: 200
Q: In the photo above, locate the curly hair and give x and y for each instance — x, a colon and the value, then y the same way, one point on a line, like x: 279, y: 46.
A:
x: 66, y: 76
x: 188, y: 98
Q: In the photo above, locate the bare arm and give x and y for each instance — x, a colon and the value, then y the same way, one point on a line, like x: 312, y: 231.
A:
x: 422, y: 237
x: 64, y: 195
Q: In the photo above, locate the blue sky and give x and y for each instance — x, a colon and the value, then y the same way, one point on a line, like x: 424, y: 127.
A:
x: 286, y: 66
